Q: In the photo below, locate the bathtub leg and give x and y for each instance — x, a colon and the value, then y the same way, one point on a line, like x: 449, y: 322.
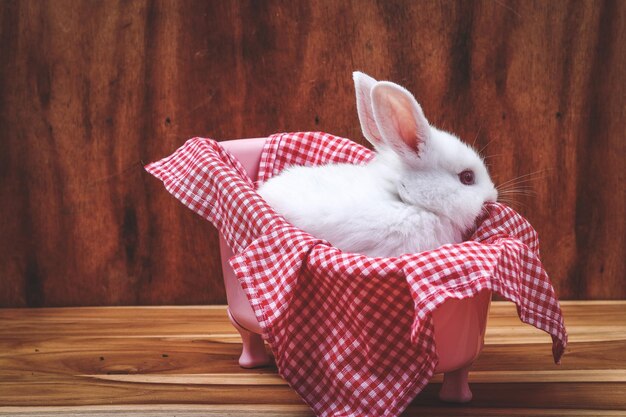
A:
x: 455, y: 388
x: 253, y: 354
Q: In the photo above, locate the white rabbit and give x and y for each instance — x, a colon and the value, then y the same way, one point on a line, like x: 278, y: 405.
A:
x: 424, y: 188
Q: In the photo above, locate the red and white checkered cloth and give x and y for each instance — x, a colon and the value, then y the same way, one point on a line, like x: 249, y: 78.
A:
x: 352, y: 335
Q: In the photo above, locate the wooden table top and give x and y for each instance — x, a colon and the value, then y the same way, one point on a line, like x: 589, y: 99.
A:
x: 160, y: 361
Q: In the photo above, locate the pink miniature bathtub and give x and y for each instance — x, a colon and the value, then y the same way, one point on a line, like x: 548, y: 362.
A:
x: 459, y: 324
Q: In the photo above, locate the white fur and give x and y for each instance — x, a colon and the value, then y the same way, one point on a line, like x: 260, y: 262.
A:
x: 408, y: 199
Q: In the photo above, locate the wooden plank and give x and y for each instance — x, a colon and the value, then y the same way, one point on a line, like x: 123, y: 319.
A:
x: 181, y: 410
x: 76, y: 391
x: 249, y: 378
x: 601, y: 355
x: 607, y: 318
x: 477, y: 377
x: 573, y: 395
x: 449, y: 411
x: 262, y: 410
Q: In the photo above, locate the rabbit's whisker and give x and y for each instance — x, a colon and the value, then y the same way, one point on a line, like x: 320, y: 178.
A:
x: 517, y: 205
x: 530, y: 174
x: 492, y: 156
x: 525, y: 194
x: 484, y: 147
x: 476, y: 137
x: 524, y: 178
x: 515, y: 189
x: 511, y: 202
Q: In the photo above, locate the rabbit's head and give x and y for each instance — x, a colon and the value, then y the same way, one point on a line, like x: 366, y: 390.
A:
x: 435, y: 170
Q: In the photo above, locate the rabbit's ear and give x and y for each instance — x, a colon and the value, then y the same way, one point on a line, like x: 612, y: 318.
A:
x: 400, y: 119
x: 363, y: 84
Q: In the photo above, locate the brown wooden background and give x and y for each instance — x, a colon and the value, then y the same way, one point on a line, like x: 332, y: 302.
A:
x: 89, y: 91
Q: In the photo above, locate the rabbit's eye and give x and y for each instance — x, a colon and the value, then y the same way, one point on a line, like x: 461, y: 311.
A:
x: 467, y: 177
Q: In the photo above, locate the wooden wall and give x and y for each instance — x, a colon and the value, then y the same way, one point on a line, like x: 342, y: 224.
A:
x: 91, y: 90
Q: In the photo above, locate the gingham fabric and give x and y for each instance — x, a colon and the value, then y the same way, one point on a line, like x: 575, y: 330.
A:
x: 352, y: 335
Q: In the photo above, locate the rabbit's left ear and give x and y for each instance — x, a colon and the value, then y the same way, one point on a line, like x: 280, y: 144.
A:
x: 400, y: 119
x: 363, y: 84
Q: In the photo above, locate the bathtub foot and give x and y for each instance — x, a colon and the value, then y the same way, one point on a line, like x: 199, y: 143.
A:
x: 253, y: 354
x: 455, y: 388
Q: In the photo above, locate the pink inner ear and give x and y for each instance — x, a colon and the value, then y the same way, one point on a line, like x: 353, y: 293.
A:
x: 405, y: 122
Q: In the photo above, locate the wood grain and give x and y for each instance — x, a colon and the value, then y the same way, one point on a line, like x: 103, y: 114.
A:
x: 275, y: 410
x: 183, y: 360
x: 90, y: 91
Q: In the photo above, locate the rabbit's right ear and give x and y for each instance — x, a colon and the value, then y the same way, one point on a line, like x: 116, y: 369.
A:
x: 400, y: 120
x: 363, y: 84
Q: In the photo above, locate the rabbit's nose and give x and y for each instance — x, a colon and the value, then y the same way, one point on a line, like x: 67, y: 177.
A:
x: 493, y: 196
